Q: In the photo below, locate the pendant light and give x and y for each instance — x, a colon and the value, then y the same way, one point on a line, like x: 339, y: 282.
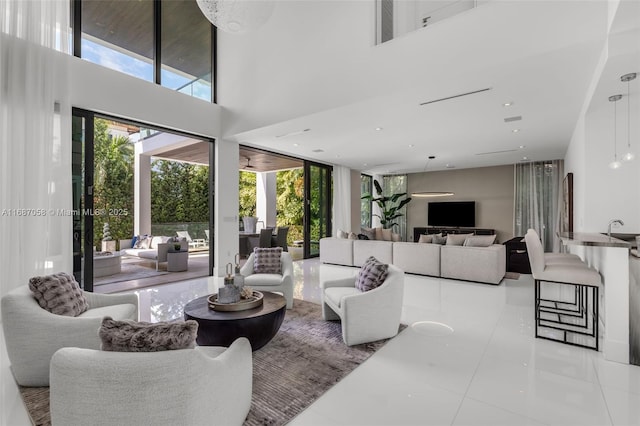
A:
x: 429, y: 194
x: 615, y: 164
x: 629, y: 156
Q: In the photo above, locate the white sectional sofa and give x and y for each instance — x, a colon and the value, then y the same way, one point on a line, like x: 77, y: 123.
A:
x: 480, y: 264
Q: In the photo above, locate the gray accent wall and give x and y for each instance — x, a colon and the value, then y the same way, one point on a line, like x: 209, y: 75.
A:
x: 492, y: 188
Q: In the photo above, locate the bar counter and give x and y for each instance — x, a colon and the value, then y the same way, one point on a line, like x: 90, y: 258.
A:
x: 610, y: 257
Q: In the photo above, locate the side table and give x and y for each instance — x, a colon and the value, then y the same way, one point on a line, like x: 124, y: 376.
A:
x: 177, y: 261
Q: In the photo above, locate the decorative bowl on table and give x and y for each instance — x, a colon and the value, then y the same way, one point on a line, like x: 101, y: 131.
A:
x: 254, y: 301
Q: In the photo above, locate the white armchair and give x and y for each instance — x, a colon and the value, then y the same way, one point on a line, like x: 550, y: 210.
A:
x: 282, y: 283
x: 207, y: 385
x: 366, y: 316
x: 33, y: 334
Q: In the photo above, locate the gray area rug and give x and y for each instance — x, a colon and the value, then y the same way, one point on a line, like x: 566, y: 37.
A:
x: 304, y: 360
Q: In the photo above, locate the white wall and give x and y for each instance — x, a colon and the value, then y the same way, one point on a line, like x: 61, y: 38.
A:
x: 490, y: 187
x: 600, y: 193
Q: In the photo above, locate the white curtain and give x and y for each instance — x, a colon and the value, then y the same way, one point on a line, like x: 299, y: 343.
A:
x: 538, y: 195
x: 342, y: 200
x: 396, y: 184
x: 35, y: 141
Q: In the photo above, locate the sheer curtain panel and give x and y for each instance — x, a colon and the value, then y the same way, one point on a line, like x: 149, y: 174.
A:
x: 342, y: 200
x: 538, y: 195
x: 35, y: 141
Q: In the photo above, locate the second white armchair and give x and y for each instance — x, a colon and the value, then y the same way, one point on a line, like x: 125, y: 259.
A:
x: 366, y: 316
x: 282, y: 283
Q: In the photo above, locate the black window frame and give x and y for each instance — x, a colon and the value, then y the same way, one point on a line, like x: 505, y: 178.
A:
x: 370, y: 179
x: 76, y: 14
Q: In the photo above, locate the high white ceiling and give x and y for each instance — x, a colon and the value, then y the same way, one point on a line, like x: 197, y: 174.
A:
x: 547, y: 83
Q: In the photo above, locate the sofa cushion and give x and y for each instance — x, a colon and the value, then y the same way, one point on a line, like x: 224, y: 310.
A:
x: 59, y: 294
x: 134, y: 336
x: 257, y: 280
x: 369, y: 232
x: 335, y: 294
x: 479, y: 241
x: 457, y: 239
x: 439, y: 239
x: 267, y: 260
x: 371, y: 275
x: 353, y: 236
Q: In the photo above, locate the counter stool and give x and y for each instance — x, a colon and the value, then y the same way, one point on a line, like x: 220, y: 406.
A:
x: 579, y: 316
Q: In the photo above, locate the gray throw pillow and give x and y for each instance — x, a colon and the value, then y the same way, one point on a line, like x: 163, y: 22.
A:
x: 133, y: 336
x: 372, y: 274
x: 457, y: 239
x: 59, y: 294
x: 267, y: 260
x: 480, y: 240
x: 439, y: 239
x: 369, y: 232
x: 425, y: 238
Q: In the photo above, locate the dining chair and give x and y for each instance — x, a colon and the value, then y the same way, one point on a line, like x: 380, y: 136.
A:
x: 265, y: 237
x: 281, y: 237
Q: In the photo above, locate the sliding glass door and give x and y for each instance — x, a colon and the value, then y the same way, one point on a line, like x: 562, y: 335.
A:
x: 318, y: 192
x: 132, y: 181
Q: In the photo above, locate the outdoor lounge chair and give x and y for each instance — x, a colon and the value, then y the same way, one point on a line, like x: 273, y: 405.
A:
x: 192, y: 243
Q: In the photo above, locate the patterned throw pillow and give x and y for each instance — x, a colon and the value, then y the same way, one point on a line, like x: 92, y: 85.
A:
x: 59, y: 294
x: 133, y: 336
x: 372, y: 274
x: 267, y: 260
x: 342, y: 234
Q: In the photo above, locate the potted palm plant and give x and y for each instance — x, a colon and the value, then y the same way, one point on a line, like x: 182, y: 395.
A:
x: 390, y: 205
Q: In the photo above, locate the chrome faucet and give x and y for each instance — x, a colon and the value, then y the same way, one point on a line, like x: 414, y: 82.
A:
x: 611, y: 222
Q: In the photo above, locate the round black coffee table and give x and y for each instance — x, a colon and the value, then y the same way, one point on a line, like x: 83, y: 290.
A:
x: 216, y: 328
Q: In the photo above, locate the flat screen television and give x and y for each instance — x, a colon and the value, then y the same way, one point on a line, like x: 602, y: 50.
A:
x: 452, y: 213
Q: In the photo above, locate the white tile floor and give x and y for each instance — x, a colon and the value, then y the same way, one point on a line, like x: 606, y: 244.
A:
x: 469, y: 357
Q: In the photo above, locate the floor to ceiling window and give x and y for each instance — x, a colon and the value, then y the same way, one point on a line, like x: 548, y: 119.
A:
x: 366, y: 187
x: 170, y: 43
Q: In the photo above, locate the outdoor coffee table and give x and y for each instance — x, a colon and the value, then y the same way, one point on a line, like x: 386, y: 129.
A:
x: 216, y: 328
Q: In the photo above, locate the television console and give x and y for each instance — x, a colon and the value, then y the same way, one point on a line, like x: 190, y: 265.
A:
x: 417, y: 231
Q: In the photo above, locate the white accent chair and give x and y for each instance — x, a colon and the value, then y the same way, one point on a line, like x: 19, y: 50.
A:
x: 574, y: 314
x: 365, y: 316
x: 281, y: 283
x: 33, y: 334
x: 207, y: 385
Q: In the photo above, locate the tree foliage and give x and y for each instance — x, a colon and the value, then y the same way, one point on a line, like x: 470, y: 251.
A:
x: 179, y: 192
x: 113, y: 183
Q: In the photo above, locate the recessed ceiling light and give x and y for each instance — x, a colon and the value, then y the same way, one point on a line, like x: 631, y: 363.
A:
x: 378, y: 128
x: 450, y: 166
x: 522, y: 146
x: 318, y: 150
x: 525, y: 158
x: 365, y: 164
x: 508, y: 104
x: 295, y: 144
x: 515, y: 130
x: 410, y: 145
x: 337, y: 155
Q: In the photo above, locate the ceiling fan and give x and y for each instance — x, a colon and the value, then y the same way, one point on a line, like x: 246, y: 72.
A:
x: 248, y: 165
